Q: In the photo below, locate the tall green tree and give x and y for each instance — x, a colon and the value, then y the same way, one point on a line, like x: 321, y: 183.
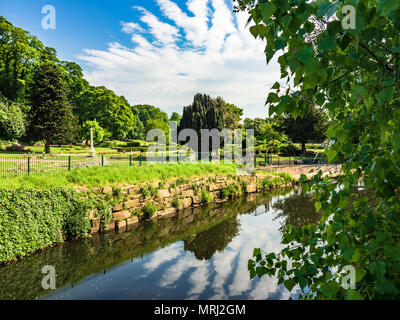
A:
x: 157, y: 123
x: 270, y: 134
x: 352, y: 71
x: 98, y: 131
x: 255, y: 124
x: 111, y: 111
x: 312, y: 125
x: 208, y: 113
x: 50, y: 117
x: 146, y: 112
x: 176, y: 117
x: 231, y: 113
x: 12, y: 120
x: 19, y: 53
x: 203, y: 113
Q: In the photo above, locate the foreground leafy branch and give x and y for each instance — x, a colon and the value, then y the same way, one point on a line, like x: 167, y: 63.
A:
x: 353, y: 74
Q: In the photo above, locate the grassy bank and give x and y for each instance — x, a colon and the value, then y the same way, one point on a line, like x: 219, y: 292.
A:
x: 114, y: 175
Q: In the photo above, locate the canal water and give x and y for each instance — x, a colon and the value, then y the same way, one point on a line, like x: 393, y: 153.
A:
x: 201, y: 253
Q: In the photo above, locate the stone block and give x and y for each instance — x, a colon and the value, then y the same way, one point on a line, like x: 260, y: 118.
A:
x: 95, y: 225
x: 121, y: 215
x: 196, y: 199
x: 109, y: 226
x: 131, y: 203
x: 251, y: 188
x: 107, y: 190
x: 132, y: 221
x: 188, y: 193
x: 120, y: 225
x: 184, y: 187
x: 163, y: 193
x: 118, y: 207
x: 173, y: 191
x: 186, y: 203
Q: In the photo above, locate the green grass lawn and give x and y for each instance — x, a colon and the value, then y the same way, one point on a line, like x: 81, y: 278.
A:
x: 115, y: 175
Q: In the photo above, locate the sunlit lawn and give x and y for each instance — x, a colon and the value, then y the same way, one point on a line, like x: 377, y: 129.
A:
x: 115, y: 175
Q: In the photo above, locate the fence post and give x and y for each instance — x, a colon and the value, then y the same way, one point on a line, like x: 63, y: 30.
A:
x: 69, y: 163
x: 102, y: 160
x: 278, y: 161
x: 265, y: 159
x: 130, y: 160
x: 210, y: 157
x: 29, y: 165
x: 141, y: 159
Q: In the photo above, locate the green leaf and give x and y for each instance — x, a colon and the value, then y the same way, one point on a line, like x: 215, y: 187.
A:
x: 328, y: 43
x: 327, y: 8
x: 289, y: 284
x: 267, y: 9
x: 256, y: 252
x: 378, y: 269
x: 384, y: 286
x: 304, y: 54
x: 356, y: 256
x: 360, y: 273
x: 254, y: 31
x: 276, y: 86
x: 331, y: 154
x: 353, y: 295
x: 388, y: 6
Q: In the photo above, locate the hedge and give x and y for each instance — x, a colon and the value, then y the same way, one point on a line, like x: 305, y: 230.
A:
x: 33, y: 219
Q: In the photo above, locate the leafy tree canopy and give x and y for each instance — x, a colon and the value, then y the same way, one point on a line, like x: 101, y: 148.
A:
x: 12, y: 120
x: 311, y: 126
x: 176, y: 117
x: 19, y: 54
x: 98, y: 132
x: 353, y: 74
x: 50, y: 116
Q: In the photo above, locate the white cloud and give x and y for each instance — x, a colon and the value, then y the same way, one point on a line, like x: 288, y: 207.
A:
x: 131, y: 27
x: 177, y: 55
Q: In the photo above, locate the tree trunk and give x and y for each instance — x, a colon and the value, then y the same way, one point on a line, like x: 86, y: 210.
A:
x: 303, y: 147
x: 47, y: 146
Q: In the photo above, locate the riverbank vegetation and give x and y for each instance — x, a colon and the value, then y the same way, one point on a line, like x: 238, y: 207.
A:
x: 32, y: 219
x: 35, y: 218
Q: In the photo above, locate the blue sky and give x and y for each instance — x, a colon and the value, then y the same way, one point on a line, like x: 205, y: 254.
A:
x: 159, y: 52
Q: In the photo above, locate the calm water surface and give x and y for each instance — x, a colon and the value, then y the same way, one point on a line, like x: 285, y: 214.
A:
x: 201, y: 253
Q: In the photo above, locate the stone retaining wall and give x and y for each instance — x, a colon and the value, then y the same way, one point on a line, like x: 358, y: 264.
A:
x: 297, y: 170
x: 166, y: 196
x: 171, y: 198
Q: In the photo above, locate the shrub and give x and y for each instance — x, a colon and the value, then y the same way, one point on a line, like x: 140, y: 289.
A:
x: 135, y: 213
x: 289, y: 150
x: 285, y: 176
x: 98, y: 131
x: 176, y: 203
x: 117, y: 192
x: 33, y: 219
x: 231, y: 191
x: 148, y: 191
x: 133, y: 144
x: 206, y: 196
x: 149, y: 209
